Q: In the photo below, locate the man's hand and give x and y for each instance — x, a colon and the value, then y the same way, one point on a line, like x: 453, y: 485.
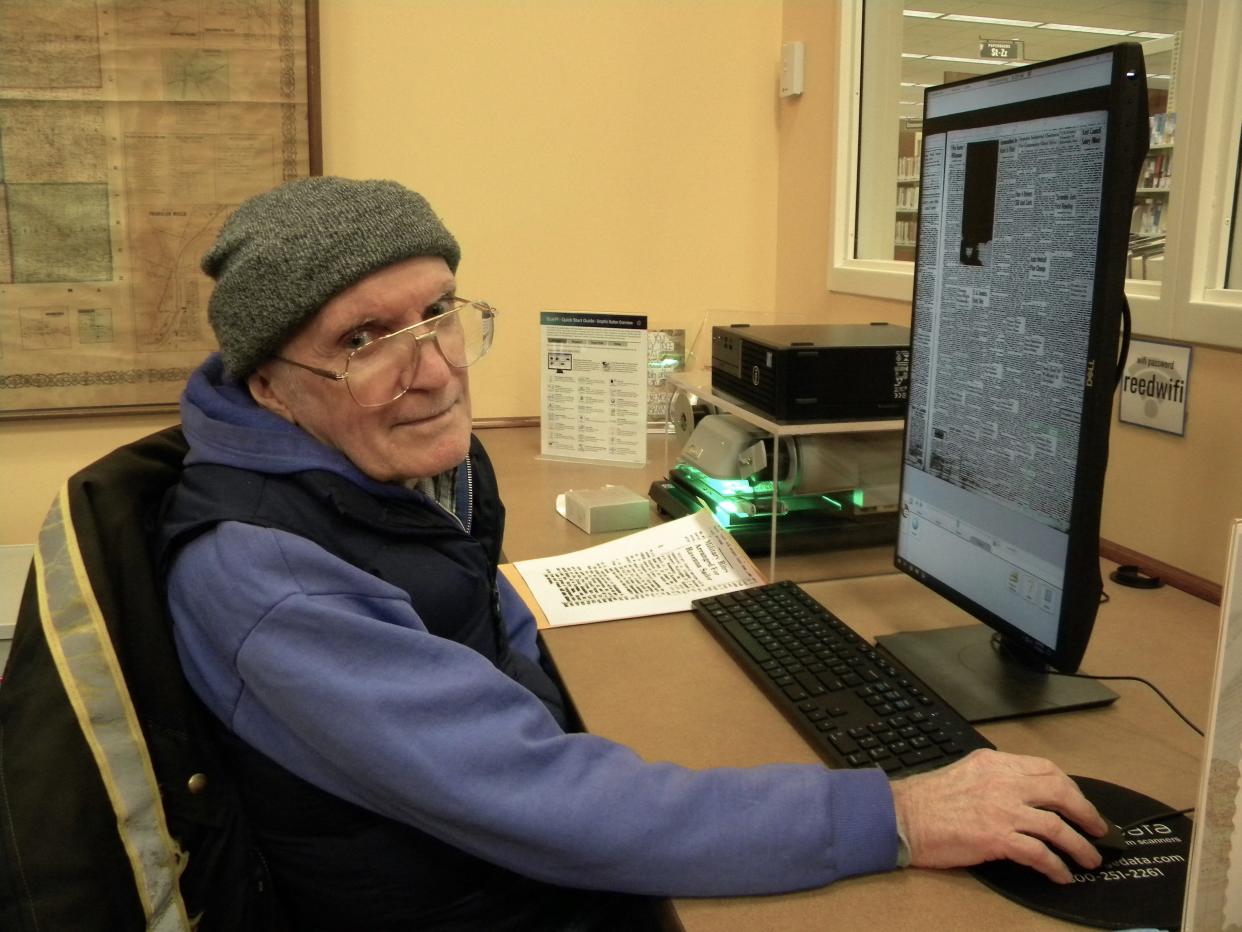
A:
x: 989, y: 806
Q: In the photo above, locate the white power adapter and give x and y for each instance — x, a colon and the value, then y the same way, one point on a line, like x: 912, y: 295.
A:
x: 608, y: 508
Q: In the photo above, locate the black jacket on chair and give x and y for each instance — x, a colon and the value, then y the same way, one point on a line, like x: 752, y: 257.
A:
x: 116, y: 811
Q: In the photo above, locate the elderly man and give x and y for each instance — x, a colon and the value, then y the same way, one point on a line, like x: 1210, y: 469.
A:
x: 404, y: 751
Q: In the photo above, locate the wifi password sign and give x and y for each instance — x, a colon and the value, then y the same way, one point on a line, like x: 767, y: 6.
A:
x: 1154, y: 384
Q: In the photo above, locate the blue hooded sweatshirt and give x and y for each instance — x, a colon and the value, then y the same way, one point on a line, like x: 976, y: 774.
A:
x: 310, y: 660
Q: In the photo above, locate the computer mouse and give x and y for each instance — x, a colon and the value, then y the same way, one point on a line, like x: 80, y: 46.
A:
x: 1110, y: 842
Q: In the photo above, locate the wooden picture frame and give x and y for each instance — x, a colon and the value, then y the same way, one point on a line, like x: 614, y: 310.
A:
x: 129, y: 130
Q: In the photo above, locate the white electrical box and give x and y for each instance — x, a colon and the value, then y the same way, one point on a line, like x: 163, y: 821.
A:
x: 792, y: 68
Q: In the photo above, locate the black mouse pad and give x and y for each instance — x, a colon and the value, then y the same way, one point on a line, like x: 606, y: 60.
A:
x: 1142, y: 886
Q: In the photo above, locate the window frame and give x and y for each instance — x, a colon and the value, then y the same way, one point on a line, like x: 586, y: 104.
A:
x: 1187, y: 304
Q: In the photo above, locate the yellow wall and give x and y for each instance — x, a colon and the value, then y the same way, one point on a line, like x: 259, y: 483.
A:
x: 633, y: 156
x: 611, y: 155
x: 36, y: 456
x: 1174, y: 498
x: 596, y: 156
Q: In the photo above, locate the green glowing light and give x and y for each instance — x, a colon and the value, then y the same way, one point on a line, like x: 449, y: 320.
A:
x: 725, y: 488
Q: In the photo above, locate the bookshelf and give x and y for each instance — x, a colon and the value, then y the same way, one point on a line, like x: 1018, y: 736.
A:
x: 1151, y: 200
x: 909, y: 159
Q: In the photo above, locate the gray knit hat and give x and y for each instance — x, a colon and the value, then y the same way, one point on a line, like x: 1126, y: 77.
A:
x: 284, y: 253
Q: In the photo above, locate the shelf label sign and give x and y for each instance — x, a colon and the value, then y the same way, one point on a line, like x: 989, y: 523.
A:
x: 1000, y: 49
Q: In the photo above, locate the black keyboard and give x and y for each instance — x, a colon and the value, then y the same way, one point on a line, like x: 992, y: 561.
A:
x: 857, y: 705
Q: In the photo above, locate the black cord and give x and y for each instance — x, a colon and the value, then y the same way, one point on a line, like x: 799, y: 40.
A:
x: 1170, y: 813
x: 1125, y: 339
x: 1147, y: 820
x: 1137, y: 679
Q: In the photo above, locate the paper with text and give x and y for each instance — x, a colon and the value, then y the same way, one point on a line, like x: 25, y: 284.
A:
x: 651, y: 572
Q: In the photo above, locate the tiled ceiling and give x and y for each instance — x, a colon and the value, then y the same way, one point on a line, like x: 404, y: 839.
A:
x: 926, y: 36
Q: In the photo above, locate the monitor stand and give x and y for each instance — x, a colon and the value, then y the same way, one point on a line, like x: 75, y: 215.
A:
x: 984, y: 683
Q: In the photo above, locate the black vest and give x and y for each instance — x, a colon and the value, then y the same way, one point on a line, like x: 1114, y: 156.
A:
x: 337, y: 865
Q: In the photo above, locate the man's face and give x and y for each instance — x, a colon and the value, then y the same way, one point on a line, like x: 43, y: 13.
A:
x: 422, y: 433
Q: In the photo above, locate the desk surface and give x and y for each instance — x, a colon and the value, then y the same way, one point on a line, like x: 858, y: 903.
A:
x: 664, y: 687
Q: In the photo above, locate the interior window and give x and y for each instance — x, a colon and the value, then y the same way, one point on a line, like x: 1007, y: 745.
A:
x: 909, y: 48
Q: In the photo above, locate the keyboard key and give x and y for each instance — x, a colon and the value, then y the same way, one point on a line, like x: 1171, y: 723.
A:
x: 911, y: 758
x: 843, y: 742
x: 810, y: 682
x: 744, y: 638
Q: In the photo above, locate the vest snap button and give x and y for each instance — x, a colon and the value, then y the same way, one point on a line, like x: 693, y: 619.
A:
x: 197, y: 783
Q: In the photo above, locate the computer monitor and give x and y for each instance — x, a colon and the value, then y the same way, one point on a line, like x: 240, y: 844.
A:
x: 1028, y: 180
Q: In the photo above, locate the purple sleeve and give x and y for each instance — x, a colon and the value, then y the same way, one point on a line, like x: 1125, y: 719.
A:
x: 519, y: 622
x: 330, y: 672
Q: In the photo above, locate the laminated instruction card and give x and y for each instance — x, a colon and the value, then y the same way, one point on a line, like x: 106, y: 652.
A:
x: 593, y: 386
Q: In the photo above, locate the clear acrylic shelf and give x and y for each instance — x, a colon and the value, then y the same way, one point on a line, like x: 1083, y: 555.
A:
x: 698, y: 384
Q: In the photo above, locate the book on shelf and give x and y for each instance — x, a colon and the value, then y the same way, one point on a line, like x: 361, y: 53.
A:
x: 1157, y: 171
x: 1147, y: 217
x: 1163, y: 128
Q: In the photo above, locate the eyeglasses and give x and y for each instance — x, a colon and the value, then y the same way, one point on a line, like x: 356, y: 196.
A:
x: 383, y: 370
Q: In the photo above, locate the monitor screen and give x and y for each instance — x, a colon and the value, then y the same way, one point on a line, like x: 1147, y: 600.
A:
x: 1027, y: 185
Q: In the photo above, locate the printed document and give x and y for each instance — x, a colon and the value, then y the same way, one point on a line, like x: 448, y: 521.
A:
x: 651, y: 572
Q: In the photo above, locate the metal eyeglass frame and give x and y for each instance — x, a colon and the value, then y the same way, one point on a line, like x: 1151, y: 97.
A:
x: 433, y: 323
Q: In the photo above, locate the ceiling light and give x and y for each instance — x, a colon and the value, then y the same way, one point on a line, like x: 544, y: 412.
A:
x: 969, y: 61
x: 1102, y: 30
x: 1152, y: 35
x: 992, y: 20
x: 921, y: 14
x: 912, y: 55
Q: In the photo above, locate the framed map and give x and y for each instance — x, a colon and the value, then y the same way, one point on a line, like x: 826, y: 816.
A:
x: 129, y: 130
